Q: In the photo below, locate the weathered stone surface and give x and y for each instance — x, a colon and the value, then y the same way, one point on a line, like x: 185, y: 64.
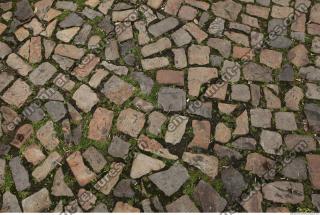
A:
x: 118, y: 147
x: 43, y: 170
x: 100, y: 124
x: 261, y: 166
x: 94, y: 158
x: 155, y: 122
x: 300, y: 143
x: 222, y: 133
x: 34, y: 154
x: 85, y: 98
x: 285, y: 121
x: 253, y: 203
x: 23, y: 10
x: 59, y: 187
x: 82, y: 173
x: 17, y: 94
x: 261, y: 118
x: 183, y: 204
x: 233, y: 182
x: 22, y: 135
x: 226, y: 9
x: 201, y: 130
x: 47, y: 136
x: 271, y: 142
x: 176, y: 129
x: 283, y: 192
x: 69, y: 51
x: 207, y: 164
x: 245, y: 143
x: 122, y: 207
x: 163, y: 26
x: 313, y: 168
x: 130, y: 122
x: 124, y: 189
x: 143, y: 164
x: 117, y: 90
x: 56, y: 110
x: 37, y: 202
x: 198, y: 54
x: 312, y: 112
x: 226, y: 152
x: 170, y: 181
x: 296, y: 169
x: 10, y: 203
x: 171, y: 99
x: 20, y: 174
x: 198, y: 76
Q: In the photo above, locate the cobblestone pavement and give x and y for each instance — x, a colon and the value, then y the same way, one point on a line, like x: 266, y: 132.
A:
x: 159, y: 106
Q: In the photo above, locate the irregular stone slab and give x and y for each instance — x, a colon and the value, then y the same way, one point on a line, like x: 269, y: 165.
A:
x: 316, y: 201
x: 106, y: 184
x: 23, y: 10
x: 130, y: 122
x: 124, y: 189
x: 37, y: 202
x: 262, y: 12
x: 97, y: 77
x: 182, y: 204
x: 298, y: 56
x: 82, y: 173
x: 285, y: 121
x: 240, y: 92
x: 143, y: 105
x: 47, y: 136
x: 312, y: 112
x: 261, y: 166
x: 118, y: 147
x: 226, y: 9
x: 271, y: 142
x: 17, y: 94
x: 10, y: 203
x: 59, y: 187
x: 233, y: 182
x: 156, y: 47
x: 170, y: 181
x: 153, y: 146
x: 203, y: 109
x: 202, y: 131
x: 208, y: 198
x: 73, y: 207
x: 226, y: 152
x: 163, y: 26
x: 296, y: 169
x: 22, y: 135
x: 56, y: 110
x: 154, y: 63
x: 198, y: 76
x: 285, y: 192
x: 172, y: 99
x: 293, y: 98
x: 85, y: 98
x: 261, y: 118
x: 170, y: 77
x: 100, y: 124
x: 155, y: 122
x: 256, y: 72
x: 48, y: 165
x: 287, y: 73
x: 122, y: 207
x: 314, y: 167
x: 176, y: 129
x: 198, y: 54
x: 181, y: 37
x: 117, y: 90
x: 172, y: 6
x: 300, y: 143
x: 87, y: 65
x: 94, y: 158
x: 19, y: 174
x: 16, y: 63
x: 242, y: 124
x: 33, y: 154
x: 119, y: 70
x: 143, y: 164
x: 310, y: 73
x: 72, y: 20
x: 207, y: 164
x: 254, y: 203
x: 69, y: 51
x: 222, y: 133
x: 100, y: 208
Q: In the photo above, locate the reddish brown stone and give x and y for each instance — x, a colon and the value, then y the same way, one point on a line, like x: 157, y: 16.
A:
x: 35, y: 50
x: 22, y: 135
x: 201, y: 130
x: 100, y: 124
x: 314, y: 170
x: 170, y: 77
x: 86, y: 66
x: 299, y: 56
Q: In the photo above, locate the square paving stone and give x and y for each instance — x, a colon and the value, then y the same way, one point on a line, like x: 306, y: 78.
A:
x: 172, y: 99
x: 17, y: 94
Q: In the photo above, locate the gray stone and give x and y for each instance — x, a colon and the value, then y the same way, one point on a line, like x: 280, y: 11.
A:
x: 10, y: 203
x: 42, y: 74
x: 124, y: 189
x: 316, y: 201
x: 94, y: 158
x: 261, y: 118
x: 312, y: 112
x: 82, y: 37
x: 66, y: 5
x: 106, y: 25
x: 20, y: 174
x: 233, y: 181
x: 182, y: 204
x: 91, y: 14
x: 274, y: 25
x: 245, y: 143
x: 171, y: 99
x: 23, y: 10
x: 295, y: 168
x: 256, y: 72
x: 181, y: 37
x: 118, y: 148
x: 199, y: 108
x: 285, y: 121
x: 310, y: 73
x: 170, y: 181
x: 287, y: 73
x: 71, y: 20
x: 163, y: 26
x: 208, y: 198
x: 100, y: 208
x: 226, y: 152
x: 37, y: 202
x: 146, y: 83
x: 34, y: 113
x: 56, y: 110
x: 59, y: 186
x: 300, y: 143
x: 271, y: 142
x: 283, y: 192
x: 216, y: 27
x: 226, y: 9
x: 240, y: 92
x: 64, y: 62
x: 280, y: 42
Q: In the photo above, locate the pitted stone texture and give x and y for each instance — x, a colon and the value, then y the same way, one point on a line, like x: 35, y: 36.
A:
x: 130, y: 122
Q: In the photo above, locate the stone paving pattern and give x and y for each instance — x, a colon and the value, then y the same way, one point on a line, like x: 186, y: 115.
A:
x: 159, y: 106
